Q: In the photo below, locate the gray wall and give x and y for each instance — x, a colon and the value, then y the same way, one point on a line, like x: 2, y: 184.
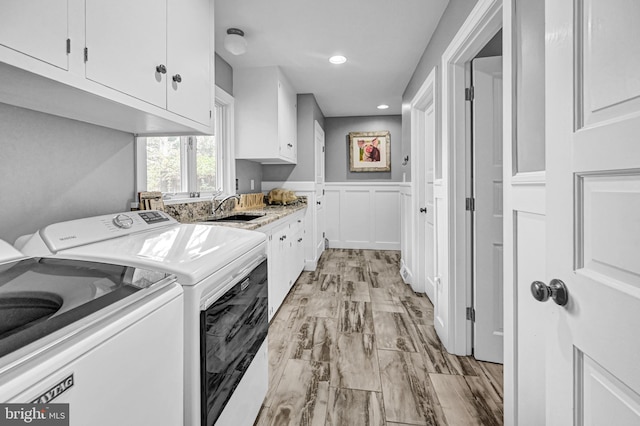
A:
x: 454, y: 15
x: 224, y: 75
x: 54, y: 169
x: 337, y: 147
x: 245, y: 170
x: 304, y: 170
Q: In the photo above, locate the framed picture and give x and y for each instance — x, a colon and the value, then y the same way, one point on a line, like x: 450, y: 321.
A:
x: 370, y: 151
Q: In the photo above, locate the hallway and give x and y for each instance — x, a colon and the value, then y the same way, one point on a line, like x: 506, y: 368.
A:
x: 353, y: 345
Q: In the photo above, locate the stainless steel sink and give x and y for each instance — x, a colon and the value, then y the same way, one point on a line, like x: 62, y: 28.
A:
x: 237, y: 218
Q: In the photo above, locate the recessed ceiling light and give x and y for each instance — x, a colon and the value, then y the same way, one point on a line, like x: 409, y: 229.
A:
x: 383, y: 106
x: 337, y: 59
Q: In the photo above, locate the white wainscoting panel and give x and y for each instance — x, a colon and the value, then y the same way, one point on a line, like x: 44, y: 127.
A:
x: 363, y: 215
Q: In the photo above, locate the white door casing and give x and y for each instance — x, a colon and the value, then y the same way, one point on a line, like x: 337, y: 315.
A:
x: 593, y: 200
x: 487, y: 214
x: 453, y: 254
x: 424, y: 131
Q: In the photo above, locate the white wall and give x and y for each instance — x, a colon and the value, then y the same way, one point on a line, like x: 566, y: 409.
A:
x: 54, y: 169
x: 363, y: 215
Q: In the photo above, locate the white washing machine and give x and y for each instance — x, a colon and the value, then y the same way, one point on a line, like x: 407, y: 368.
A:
x: 223, y: 272
x: 92, y: 335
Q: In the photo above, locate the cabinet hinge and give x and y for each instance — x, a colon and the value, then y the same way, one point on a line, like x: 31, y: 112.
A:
x: 86, y: 54
x: 470, y: 204
x: 468, y: 94
x: 209, y: 113
x: 68, y: 46
x: 322, y: 148
x: 323, y: 235
x: 323, y: 192
x: 471, y: 314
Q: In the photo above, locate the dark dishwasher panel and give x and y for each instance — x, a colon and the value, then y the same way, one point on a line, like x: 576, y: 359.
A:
x: 232, y: 330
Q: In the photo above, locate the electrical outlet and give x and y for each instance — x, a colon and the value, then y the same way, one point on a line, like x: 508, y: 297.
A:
x: 253, y: 184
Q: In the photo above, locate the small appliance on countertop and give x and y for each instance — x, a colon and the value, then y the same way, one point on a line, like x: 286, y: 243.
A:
x: 94, y: 335
x: 223, y: 273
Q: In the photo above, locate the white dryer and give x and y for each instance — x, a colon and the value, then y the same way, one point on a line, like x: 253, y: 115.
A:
x: 223, y: 272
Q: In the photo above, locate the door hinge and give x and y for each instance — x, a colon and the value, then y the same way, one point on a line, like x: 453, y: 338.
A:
x: 468, y: 94
x: 68, y: 46
x: 323, y: 149
x: 470, y: 204
x: 209, y: 113
x: 323, y: 192
x: 86, y: 54
x: 323, y: 235
x: 471, y: 314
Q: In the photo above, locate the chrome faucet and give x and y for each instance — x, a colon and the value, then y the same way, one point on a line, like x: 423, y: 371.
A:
x: 220, y: 204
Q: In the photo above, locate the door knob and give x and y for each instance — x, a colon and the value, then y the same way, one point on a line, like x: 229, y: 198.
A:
x: 556, y: 289
x: 423, y: 209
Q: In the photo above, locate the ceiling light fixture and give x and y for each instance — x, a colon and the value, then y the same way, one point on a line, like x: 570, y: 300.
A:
x: 383, y: 106
x: 235, y: 42
x: 338, y: 59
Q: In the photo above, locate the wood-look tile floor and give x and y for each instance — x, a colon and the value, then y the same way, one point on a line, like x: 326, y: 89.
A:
x: 353, y: 345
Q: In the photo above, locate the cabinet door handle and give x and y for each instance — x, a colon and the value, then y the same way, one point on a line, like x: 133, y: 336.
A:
x: 299, y: 240
x: 318, y: 202
x: 161, y: 69
x: 177, y: 78
x: 290, y: 145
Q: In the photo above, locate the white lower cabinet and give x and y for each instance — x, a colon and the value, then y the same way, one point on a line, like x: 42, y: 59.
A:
x: 285, y: 251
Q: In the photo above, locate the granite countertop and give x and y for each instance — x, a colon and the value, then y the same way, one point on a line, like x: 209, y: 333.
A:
x: 270, y: 215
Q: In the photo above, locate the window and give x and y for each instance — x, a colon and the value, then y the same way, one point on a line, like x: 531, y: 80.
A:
x: 187, y: 166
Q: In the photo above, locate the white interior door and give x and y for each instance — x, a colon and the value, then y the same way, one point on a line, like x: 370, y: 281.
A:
x: 426, y: 126
x: 426, y: 210
x: 319, y: 181
x: 487, y: 189
x: 593, y: 211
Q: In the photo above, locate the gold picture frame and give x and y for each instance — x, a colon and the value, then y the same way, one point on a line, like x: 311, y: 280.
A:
x: 370, y: 151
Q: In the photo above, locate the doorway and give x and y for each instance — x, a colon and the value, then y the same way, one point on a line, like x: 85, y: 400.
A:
x: 484, y: 203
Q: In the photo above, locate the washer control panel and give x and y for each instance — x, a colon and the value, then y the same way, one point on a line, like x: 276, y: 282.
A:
x: 74, y: 233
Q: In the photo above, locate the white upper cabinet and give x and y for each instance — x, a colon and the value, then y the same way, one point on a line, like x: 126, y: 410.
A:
x: 157, y: 54
x: 37, y: 28
x: 266, y: 116
x: 144, y: 67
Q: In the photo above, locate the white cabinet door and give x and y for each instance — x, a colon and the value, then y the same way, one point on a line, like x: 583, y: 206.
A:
x: 593, y: 205
x: 266, y: 116
x: 37, y: 28
x: 126, y: 41
x: 287, y: 120
x: 188, y: 50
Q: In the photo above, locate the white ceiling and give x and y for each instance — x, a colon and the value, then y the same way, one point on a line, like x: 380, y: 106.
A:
x: 383, y: 41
